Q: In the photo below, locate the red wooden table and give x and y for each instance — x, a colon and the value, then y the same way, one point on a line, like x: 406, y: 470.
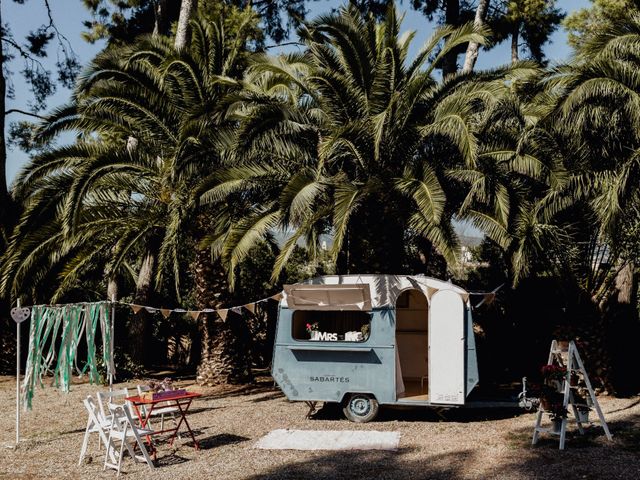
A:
x: 182, y: 401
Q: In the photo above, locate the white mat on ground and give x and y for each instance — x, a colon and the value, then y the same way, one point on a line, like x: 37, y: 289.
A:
x: 282, y: 439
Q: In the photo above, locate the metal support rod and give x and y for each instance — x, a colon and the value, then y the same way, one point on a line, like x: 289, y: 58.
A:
x: 18, y: 379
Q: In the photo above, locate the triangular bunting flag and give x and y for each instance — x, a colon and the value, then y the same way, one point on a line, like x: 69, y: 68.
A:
x: 222, y: 313
x: 207, y: 310
x: 489, y: 298
x: 237, y: 310
x: 151, y: 309
x: 431, y: 291
x: 179, y: 310
x: 194, y: 314
x: 251, y: 307
x: 277, y: 297
x: 165, y: 312
x: 136, y: 308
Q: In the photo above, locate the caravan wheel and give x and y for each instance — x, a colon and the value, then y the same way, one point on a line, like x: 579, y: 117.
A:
x: 360, y: 407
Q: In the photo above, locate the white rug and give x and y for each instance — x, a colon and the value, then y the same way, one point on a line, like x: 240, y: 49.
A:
x: 329, y: 440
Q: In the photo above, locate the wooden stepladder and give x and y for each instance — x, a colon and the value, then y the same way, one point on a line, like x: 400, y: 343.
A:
x: 570, y: 358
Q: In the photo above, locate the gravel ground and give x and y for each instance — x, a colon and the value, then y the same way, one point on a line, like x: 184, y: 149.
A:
x: 228, y: 422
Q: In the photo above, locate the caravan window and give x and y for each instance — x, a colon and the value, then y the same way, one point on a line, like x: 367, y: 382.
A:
x: 331, y: 326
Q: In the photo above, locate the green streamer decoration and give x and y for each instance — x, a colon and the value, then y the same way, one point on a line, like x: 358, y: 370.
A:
x: 55, y: 333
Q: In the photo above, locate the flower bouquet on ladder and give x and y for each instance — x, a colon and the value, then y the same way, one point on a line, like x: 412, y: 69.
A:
x: 557, y: 413
x: 545, y: 394
x: 554, y: 376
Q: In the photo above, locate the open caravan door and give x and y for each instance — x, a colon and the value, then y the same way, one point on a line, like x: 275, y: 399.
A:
x: 446, y: 348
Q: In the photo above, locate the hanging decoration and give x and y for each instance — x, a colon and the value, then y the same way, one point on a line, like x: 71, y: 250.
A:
x: 55, y: 333
x: 19, y: 315
x: 487, y: 297
x: 223, y: 313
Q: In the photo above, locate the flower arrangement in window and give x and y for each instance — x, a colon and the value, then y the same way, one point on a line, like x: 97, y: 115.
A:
x: 366, y: 330
x: 312, y: 327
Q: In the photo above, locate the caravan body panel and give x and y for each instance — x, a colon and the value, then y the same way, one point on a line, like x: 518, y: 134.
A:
x: 327, y: 370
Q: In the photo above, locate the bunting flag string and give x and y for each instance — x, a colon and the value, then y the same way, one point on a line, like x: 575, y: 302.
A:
x: 487, y: 297
x: 195, y: 314
x: 223, y: 313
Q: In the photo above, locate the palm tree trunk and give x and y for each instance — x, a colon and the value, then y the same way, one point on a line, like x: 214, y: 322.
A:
x: 112, y: 288
x: 225, y: 354
x: 187, y: 8
x: 624, y: 284
x: 160, y: 24
x: 473, y: 47
x: 515, y: 38
x: 452, y: 17
x: 139, y: 328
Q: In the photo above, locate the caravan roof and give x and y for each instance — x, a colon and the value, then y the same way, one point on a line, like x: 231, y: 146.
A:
x: 384, y: 290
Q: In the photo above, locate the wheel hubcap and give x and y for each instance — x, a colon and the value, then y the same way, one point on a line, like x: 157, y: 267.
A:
x: 360, y: 406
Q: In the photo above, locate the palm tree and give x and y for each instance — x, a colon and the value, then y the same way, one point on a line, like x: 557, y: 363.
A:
x: 154, y: 112
x: 598, y: 100
x: 520, y: 164
x: 556, y: 184
x: 42, y: 259
x: 352, y: 139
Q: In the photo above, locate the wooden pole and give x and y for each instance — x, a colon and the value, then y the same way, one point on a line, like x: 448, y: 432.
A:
x: 18, y: 379
x: 113, y: 317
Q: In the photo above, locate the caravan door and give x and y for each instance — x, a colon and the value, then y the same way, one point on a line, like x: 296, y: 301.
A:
x: 446, y: 348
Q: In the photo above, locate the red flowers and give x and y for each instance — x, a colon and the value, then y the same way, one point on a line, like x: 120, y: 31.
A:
x: 312, y: 327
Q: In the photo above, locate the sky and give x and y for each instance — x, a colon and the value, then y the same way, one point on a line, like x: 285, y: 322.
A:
x: 69, y: 15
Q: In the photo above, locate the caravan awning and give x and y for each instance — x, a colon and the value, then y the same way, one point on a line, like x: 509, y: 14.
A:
x: 378, y: 291
x: 328, y: 297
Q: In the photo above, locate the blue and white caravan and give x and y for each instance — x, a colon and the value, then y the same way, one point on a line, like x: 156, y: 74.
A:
x: 365, y: 340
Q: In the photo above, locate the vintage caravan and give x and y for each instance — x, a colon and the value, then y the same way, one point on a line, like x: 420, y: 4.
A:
x: 365, y: 340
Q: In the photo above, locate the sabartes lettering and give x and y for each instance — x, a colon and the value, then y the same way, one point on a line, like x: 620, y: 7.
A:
x: 329, y: 379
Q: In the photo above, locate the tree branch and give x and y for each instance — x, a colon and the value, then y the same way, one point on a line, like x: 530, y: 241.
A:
x: 60, y: 36
x: 24, y: 112
x: 22, y: 52
x: 283, y: 45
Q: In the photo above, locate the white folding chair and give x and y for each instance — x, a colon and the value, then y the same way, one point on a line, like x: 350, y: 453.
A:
x: 96, y: 423
x: 124, y: 429
x: 158, y: 411
x: 115, y: 397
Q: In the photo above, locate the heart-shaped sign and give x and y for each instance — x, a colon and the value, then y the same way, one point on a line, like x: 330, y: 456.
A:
x: 20, y: 314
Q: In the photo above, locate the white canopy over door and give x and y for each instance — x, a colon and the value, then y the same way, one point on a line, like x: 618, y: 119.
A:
x: 446, y: 348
